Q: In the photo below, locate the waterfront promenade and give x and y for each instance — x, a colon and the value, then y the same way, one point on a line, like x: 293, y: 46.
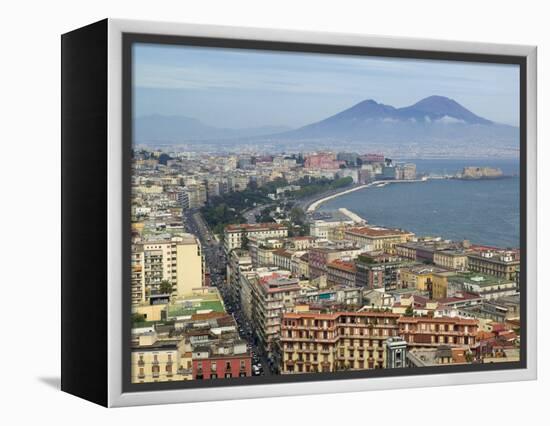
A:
x: 315, y: 204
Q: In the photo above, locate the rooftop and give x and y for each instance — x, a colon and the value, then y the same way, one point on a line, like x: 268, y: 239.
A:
x: 343, y: 265
x: 195, y: 303
x: 377, y: 231
x: 426, y: 269
x: 336, y: 315
x: 440, y: 320
x: 241, y: 227
x: 475, y: 278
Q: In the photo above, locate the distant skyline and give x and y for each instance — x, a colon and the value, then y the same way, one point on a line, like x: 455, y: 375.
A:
x: 236, y: 88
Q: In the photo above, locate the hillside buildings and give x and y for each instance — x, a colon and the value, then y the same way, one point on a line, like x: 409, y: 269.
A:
x: 340, y: 296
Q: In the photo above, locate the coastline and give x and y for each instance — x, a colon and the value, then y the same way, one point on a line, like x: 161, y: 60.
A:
x: 314, y: 205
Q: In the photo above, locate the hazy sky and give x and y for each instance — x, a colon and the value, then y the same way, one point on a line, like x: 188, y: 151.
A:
x: 246, y: 88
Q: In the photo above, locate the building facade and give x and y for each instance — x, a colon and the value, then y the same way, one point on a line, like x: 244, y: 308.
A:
x: 433, y: 332
x: 315, y: 342
x: 235, y: 234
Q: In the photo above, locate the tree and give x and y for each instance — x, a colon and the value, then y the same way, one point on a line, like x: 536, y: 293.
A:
x: 297, y: 215
x: 244, y: 242
x: 165, y: 287
x: 136, y: 317
x: 409, y: 312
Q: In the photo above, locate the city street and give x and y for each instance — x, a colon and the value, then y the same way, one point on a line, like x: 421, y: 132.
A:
x: 216, y: 262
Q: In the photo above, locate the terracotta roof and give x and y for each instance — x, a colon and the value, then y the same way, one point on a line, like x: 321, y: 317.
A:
x: 442, y: 320
x: 282, y: 252
x: 206, y: 316
x: 376, y: 232
x: 485, y: 335
x: 336, y: 315
x: 343, y: 265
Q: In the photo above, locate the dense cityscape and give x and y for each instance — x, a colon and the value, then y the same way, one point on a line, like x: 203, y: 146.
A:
x: 235, y: 272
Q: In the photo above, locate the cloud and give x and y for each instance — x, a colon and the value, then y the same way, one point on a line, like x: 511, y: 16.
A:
x: 449, y: 120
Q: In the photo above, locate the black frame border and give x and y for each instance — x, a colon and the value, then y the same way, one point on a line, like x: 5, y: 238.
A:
x: 129, y: 39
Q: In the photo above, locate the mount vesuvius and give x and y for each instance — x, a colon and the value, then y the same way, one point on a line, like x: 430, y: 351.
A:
x: 435, y: 118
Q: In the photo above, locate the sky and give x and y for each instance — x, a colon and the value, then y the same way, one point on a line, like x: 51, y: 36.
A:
x: 237, y: 88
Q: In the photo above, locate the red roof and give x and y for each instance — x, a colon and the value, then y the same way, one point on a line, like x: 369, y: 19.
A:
x: 343, y: 265
x: 376, y: 232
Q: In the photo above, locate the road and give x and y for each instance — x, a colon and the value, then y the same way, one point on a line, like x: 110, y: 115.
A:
x: 216, y: 262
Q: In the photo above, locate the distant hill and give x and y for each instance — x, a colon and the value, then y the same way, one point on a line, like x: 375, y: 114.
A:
x: 152, y: 129
x: 436, y: 126
x: 435, y: 117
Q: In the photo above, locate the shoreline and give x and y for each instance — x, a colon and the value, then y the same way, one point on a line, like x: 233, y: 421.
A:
x: 315, y: 204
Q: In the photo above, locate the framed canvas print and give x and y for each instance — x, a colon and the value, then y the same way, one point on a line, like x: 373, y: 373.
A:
x: 253, y: 213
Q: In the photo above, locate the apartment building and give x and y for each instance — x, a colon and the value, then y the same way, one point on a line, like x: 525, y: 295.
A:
x: 487, y: 286
x: 341, y: 273
x: 222, y: 360
x: 322, y: 228
x: 235, y: 234
x: 377, y: 238
x: 272, y: 295
x: 282, y: 259
x: 318, y: 342
x: 177, y: 260
x: 158, y: 360
x: 320, y: 257
x: 424, y: 250
x: 451, y: 259
x: 380, y: 270
x: 498, y: 263
x: 432, y: 332
x: 426, y: 278
x: 239, y: 262
x: 299, y: 265
x: 138, y: 276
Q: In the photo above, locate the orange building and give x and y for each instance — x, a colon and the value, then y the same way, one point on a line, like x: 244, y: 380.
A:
x: 433, y: 332
x: 315, y: 342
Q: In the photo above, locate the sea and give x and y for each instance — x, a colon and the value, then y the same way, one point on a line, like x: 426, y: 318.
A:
x: 483, y: 211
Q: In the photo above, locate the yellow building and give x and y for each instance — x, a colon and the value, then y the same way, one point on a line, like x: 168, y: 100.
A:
x: 150, y: 312
x: 189, y: 265
x: 177, y: 260
x: 155, y: 360
x: 377, y: 238
x: 451, y: 259
x: 426, y: 278
x: 440, y: 284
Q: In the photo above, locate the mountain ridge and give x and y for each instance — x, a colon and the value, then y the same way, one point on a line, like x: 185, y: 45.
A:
x: 154, y: 128
x: 431, y: 118
x: 435, y: 123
